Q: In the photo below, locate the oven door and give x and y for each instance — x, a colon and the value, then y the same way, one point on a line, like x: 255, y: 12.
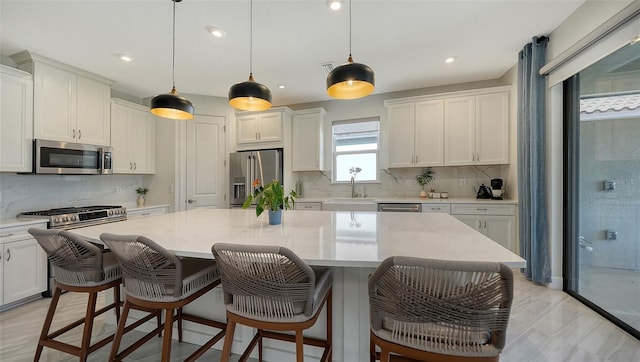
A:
x: 53, y: 157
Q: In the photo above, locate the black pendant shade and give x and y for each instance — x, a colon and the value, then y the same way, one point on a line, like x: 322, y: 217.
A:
x: 350, y: 80
x: 172, y: 106
x: 250, y: 96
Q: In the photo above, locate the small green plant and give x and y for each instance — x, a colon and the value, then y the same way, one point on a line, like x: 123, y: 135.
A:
x: 270, y: 196
x: 142, y: 190
x: 427, y: 175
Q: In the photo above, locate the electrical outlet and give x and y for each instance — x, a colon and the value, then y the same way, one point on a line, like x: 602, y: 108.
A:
x: 118, y: 190
x: 409, y: 183
x: 462, y: 182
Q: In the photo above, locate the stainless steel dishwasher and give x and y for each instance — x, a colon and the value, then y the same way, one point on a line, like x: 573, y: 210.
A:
x: 399, y: 207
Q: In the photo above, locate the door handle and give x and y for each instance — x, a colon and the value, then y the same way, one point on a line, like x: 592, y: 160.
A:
x: 8, y: 254
x: 130, y: 165
x: 79, y: 134
x: 135, y: 166
x: 74, y: 133
x: 191, y: 201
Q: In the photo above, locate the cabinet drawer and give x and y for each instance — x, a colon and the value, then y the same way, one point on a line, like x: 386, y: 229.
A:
x: 482, y: 209
x: 436, y: 208
x: 308, y: 206
x: 136, y: 214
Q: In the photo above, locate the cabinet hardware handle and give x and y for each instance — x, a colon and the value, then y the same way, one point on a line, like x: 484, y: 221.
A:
x: 145, y: 214
x: 485, y: 224
x: 130, y: 165
x: 259, y: 135
x: 416, y: 158
x: 477, y: 157
x: 5, y: 235
x: 479, y: 224
x: 79, y: 134
x: 436, y: 208
x: 482, y: 209
x: 135, y: 166
x: 74, y: 133
x: 8, y: 254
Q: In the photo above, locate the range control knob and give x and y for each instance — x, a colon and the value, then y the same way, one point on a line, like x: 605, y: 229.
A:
x: 72, y: 218
x: 56, y: 220
x: 65, y: 219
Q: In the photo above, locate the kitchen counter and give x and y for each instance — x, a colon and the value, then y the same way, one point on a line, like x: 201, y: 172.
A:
x: 15, y: 222
x: 352, y: 244
x: 342, y: 239
x: 451, y: 200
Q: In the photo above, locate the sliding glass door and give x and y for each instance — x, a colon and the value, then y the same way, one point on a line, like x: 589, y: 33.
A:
x: 602, y: 186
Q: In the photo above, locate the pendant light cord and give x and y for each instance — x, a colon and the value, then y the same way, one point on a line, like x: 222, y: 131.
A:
x: 251, y: 39
x: 350, y: 1
x: 173, y: 61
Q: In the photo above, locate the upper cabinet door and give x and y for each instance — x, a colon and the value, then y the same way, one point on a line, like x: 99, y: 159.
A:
x: 492, y: 128
x: 308, y: 139
x: 247, y: 128
x: 459, y: 131
x: 429, y: 128
x: 16, y: 120
x: 121, y: 133
x: 270, y: 127
x: 54, y: 111
x: 93, y: 124
x: 401, y: 134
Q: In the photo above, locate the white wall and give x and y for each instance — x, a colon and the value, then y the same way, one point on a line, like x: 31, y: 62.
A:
x: 584, y: 20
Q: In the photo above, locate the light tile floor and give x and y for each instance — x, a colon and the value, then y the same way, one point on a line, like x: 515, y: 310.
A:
x: 545, y: 325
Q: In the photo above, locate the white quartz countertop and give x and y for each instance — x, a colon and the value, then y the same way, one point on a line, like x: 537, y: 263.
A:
x: 327, y: 238
x: 453, y: 200
x: 13, y: 222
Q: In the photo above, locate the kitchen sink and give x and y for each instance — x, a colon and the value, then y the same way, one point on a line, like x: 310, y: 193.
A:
x: 350, y: 204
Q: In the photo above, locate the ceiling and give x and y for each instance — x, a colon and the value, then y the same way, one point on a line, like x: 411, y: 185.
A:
x: 404, y: 42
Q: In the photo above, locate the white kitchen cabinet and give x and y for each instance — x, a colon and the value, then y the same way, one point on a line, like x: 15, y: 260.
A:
x: 136, y: 213
x: 476, y: 129
x: 497, y: 222
x: 436, y: 208
x: 303, y: 205
x: 308, y: 140
x: 415, y: 134
x: 16, y: 120
x: 23, y: 265
x: 259, y: 127
x: 69, y: 104
x: 133, y: 138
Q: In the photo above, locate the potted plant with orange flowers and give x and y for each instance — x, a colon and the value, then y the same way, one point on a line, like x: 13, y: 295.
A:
x: 271, y: 197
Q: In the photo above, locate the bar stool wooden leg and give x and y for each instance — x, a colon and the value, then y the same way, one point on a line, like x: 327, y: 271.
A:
x: 116, y: 299
x: 120, y: 331
x: 47, y: 322
x: 330, y: 324
x: 179, y: 324
x: 299, y: 346
x: 88, y: 326
x: 228, y: 339
x: 166, y: 339
x: 260, y: 345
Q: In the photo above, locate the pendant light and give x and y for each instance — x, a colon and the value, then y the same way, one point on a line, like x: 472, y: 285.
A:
x: 172, y: 105
x: 250, y: 95
x: 350, y: 80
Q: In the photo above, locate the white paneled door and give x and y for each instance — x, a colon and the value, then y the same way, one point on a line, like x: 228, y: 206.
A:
x: 205, y: 162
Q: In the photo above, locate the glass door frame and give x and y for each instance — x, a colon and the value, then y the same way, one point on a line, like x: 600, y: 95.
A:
x: 571, y: 201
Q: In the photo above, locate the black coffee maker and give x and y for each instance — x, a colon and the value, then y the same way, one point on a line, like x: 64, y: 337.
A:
x: 496, y: 189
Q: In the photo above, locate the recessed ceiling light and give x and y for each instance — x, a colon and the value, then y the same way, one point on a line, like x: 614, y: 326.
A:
x: 216, y: 31
x: 125, y: 58
x: 335, y: 4
x: 281, y: 86
x: 450, y: 60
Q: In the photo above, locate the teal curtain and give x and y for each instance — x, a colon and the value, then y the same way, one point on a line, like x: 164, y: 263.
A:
x: 532, y: 191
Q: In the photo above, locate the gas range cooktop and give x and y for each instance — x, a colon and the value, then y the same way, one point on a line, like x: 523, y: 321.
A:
x: 75, y: 217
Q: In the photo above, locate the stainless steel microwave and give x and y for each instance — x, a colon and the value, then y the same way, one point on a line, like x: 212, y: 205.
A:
x: 65, y: 158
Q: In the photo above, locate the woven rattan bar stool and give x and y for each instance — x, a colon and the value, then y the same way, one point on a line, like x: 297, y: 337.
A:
x: 80, y: 267
x: 271, y: 289
x: 437, y: 310
x: 155, y: 278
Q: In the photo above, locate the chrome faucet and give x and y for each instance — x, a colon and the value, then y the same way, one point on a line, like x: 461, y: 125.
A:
x: 353, y: 188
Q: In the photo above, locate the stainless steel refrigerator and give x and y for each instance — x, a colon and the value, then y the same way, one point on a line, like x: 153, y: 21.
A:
x: 245, y: 167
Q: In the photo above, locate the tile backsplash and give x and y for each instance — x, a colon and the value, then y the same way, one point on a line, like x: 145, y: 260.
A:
x: 20, y: 193
x: 401, y: 182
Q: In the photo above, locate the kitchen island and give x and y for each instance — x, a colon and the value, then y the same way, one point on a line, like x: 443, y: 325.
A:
x: 352, y: 243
